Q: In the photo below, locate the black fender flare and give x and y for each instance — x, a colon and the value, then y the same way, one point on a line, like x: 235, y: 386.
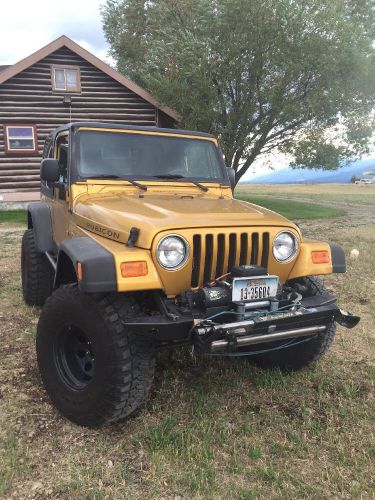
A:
x: 97, y: 263
x: 337, y: 258
x: 40, y: 221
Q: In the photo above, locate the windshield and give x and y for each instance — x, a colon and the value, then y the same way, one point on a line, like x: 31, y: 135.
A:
x: 140, y: 156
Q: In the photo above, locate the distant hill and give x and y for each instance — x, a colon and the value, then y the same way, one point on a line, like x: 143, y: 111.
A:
x: 302, y: 176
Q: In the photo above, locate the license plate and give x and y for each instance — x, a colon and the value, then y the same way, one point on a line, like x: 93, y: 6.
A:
x: 256, y: 288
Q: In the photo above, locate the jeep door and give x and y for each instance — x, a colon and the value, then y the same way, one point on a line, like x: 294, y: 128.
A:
x: 58, y: 192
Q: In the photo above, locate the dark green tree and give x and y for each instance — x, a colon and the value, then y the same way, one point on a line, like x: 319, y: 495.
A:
x: 297, y: 76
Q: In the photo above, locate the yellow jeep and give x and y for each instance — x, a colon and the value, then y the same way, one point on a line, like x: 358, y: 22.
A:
x: 139, y: 245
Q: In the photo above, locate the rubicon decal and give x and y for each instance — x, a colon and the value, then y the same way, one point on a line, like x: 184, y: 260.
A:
x: 105, y: 231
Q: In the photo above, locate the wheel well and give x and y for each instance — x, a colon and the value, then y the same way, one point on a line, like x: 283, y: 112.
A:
x: 65, y: 272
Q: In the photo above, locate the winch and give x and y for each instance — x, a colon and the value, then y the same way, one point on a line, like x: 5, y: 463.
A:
x: 229, y: 325
x: 220, y: 292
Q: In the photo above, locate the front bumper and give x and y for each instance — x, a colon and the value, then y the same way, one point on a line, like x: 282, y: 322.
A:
x: 310, y: 317
x: 270, y: 328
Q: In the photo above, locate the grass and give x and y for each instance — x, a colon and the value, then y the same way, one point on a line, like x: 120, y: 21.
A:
x: 336, y: 193
x: 13, y: 216
x: 293, y: 209
x: 289, y: 209
x: 212, y: 428
x: 13, y: 458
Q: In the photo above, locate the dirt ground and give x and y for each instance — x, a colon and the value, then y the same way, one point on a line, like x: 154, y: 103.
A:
x: 213, y: 428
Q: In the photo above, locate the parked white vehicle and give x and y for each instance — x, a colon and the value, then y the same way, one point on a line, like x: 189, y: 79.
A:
x: 365, y: 181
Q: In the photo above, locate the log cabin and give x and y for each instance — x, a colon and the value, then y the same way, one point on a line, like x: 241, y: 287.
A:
x: 61, y: 83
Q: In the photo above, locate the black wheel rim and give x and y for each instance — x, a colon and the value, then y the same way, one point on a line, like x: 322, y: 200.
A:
x: 74, y: 358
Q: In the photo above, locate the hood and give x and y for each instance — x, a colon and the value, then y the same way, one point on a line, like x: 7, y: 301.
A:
x: 113, y: 214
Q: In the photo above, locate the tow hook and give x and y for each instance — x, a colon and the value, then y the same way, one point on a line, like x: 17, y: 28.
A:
x: 347, y: 319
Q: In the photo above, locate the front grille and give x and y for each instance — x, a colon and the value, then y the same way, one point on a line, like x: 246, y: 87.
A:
x: 216, y: 254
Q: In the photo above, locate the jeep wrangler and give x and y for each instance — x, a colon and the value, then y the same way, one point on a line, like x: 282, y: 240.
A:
x: 137, y: 245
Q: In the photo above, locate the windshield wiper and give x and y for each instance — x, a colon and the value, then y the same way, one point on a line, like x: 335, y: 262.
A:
x: 177, y: 176
x: 138, y: 184
x: 113, y: 176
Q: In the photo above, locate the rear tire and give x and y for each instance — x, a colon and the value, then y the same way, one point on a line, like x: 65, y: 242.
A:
x: 95, y: 370
x: 305, y: 353
x: 36, y: 271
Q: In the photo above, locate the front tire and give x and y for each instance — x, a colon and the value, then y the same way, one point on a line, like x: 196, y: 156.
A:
x: 94, y: 369
x: 36, y: 272
x: 308, y: 351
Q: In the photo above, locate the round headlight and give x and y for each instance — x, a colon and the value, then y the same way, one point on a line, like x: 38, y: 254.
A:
x: 284, y: 247
x: 172, y: 252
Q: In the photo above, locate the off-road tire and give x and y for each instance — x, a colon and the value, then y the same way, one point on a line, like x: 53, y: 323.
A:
x: 36, y: 271
x: 124, y: 361
x: 308, y: 351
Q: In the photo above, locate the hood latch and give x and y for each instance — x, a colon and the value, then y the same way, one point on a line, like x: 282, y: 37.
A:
x: 133, y: 237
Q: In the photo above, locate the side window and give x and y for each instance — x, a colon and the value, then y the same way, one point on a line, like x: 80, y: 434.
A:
x: 47, y: 187
x: 63, y: 161
x: 62, y: 150
x: 48, y: 148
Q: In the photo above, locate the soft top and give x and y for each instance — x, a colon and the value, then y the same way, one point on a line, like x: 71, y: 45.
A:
x: 75, y: 125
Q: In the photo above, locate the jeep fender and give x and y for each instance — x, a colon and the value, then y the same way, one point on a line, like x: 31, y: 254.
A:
x: 97, y: 264
x: 304, y: 265
x: 39, y: 220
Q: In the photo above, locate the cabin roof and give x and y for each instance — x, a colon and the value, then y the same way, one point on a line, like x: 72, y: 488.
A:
x: 7, y: 72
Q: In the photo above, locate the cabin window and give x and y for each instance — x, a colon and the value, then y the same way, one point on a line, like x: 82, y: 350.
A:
x: 20, y: 138
x: 66, y: 79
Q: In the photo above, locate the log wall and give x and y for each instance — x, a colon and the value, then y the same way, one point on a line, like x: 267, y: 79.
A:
x: 27, y: 98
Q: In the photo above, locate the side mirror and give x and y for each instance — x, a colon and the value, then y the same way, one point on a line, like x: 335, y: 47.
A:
x: 232, y: 177
x: 50, y: 170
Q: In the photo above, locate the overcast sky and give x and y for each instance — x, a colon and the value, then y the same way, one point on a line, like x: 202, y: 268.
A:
x: 35, y: 23
x: 28, y: 25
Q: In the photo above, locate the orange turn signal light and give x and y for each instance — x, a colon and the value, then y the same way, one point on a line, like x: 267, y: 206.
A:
x: 134, y: 269
x: 79, y: 271
x: 320, y: 257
